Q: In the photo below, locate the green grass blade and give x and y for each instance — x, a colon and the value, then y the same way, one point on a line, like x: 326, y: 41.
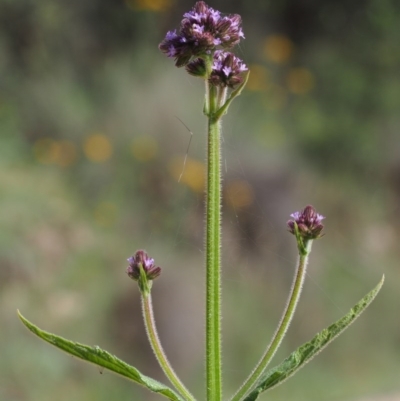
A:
x: 307, y: 351
x: 102, y: 358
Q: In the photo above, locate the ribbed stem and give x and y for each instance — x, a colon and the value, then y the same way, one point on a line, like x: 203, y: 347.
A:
x: 213, y: 250
x: 147, y: 307
x: 282, y: 327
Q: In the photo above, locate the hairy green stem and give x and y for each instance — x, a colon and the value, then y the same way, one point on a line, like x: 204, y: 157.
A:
x: 213, y: 250
x: 282, y: 327
x: 147, y: 307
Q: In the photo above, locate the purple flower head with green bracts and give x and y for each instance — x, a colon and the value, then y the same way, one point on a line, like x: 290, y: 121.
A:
x: 308, y: 223
x: 202, y: 31
x: 141, y: 259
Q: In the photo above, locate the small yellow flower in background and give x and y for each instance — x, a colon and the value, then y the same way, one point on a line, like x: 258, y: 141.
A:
x: 193, y: 173
x: 278, y: 48
x: 97, y: 148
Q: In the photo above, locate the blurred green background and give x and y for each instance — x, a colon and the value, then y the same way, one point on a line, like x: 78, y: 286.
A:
x: 91, y: 152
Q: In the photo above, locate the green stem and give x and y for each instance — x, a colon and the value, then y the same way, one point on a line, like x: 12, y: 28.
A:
x: 148, y: 314
x: 213, y: 249
x: 282, y: 327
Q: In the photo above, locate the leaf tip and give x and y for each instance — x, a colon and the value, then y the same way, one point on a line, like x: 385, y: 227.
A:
x: 380, y: 284
x: 25, y: 321
x: 20, y: 315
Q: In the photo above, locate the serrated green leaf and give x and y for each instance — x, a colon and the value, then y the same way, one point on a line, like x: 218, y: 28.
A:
x: 307, y: 351
x: 102, y: 358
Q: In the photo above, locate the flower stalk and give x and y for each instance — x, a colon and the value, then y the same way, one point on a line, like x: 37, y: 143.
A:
x: 283, y: 326
x: 143, y: 270
x: 306, y: 226
x: 200, y: 45
x: 213, y: 257
x: 148, y: 314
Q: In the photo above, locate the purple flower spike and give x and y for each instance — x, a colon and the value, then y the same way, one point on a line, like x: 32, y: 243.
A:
x: 200, y: 32
x: 308, y: 223
x: 140, y: 258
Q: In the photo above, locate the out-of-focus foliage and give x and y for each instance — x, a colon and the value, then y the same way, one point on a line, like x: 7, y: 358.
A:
x: 90, y: 157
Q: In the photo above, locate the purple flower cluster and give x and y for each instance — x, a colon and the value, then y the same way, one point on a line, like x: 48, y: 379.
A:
x: 202, y: 31
x: 308, y: 223
x: 227, y: 69
x: 140, y: 258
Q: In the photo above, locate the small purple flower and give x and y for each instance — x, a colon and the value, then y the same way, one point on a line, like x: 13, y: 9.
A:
x: 308, y: 223
x: 140, y: 258
x: 200, y: 32
x: 227, y: 69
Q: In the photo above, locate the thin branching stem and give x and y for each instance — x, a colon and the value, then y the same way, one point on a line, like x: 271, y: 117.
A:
x: 148, y: 314
x: 282, y: 327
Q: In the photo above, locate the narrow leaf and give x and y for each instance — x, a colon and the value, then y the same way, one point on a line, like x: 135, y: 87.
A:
x: 223, y: 109
x: 307, y: 351
x: 102, y: 358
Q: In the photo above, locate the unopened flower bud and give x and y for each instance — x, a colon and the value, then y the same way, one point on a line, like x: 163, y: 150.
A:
x: 308, y: 223
x: 140, y: 264
x: 197, y: 68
